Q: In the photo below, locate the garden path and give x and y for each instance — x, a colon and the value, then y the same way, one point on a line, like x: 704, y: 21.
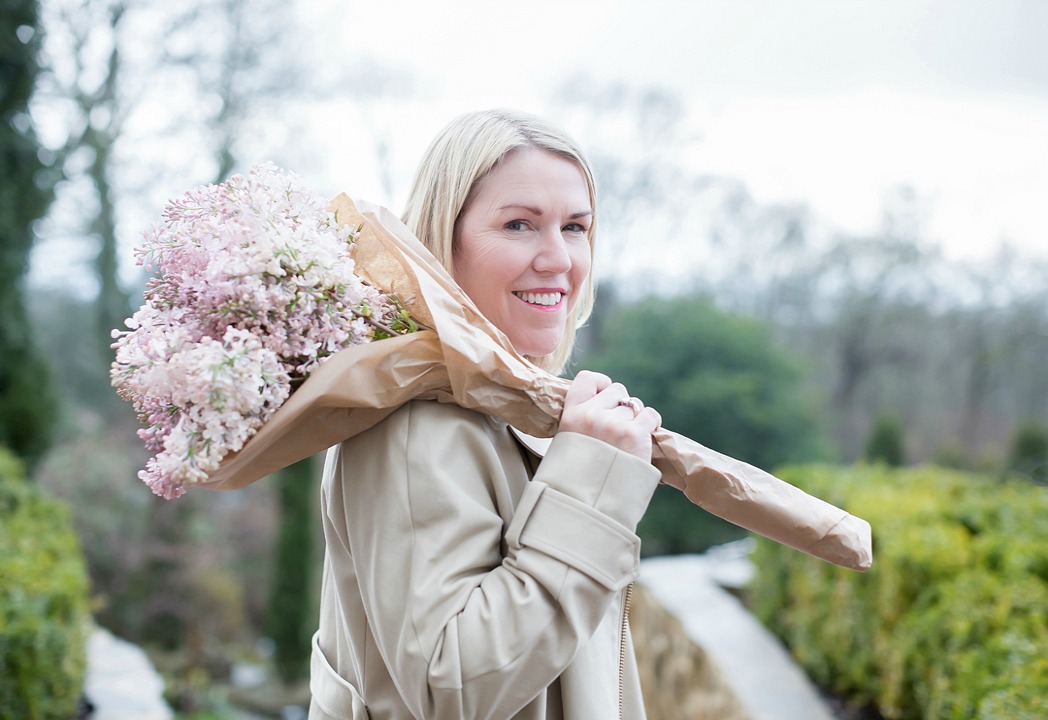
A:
x: 123, y: 685
x: 121, y: 682
x: 753, y: 662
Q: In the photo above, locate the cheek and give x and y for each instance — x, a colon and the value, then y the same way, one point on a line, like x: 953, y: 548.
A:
x: 581, y: 262
x: 487, y: 264
x: 485, y: 270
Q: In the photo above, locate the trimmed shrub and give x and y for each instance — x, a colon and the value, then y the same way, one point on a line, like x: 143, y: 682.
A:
x: 950, y: 623
x: 44, y: 617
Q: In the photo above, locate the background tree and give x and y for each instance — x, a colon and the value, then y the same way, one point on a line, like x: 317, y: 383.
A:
x: 292, y: 605
x: 886, y: 322
x: 1029, y: 453
x: 141, y: 98
x: 85, y: 80
x: 956, y: 351
x: 26, y: 404
x: 254, y: 69
x: 135, y: 101
x: 886, y: 444
x: 243, y: 76
x: 714, y: 377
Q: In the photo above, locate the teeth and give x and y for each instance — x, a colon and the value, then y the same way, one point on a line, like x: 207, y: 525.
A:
x: 540, y: 298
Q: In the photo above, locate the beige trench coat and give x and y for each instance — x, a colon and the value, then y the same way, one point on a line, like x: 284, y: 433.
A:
x: 464, y: 578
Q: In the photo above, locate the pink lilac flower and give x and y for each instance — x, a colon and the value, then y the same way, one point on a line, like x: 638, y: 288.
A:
x: 254, y: 288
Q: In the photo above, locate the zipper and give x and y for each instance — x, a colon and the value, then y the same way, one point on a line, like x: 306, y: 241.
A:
x: 622, y: 649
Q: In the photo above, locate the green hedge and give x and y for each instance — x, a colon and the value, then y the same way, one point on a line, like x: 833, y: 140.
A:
x: 44, y: 617
x: 952, y: 620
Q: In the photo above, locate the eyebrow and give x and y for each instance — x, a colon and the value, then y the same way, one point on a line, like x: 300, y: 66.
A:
x: 536, y: 211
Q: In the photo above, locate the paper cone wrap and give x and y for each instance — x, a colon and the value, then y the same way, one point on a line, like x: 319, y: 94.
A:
x: 462, y: 358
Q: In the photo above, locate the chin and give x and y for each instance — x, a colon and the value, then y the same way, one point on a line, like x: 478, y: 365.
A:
x: 536, y: 350
x: 537, y: 343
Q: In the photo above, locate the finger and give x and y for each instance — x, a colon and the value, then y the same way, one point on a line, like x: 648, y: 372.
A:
x: 583, y: 389
x: 610, y: 397
x: 600, y: 381
x: 615, y: 393
x: 633, y: 404
x: 585, y: 385
x: 650, y: 419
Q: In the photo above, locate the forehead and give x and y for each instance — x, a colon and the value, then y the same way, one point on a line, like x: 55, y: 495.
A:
x: 535, y: 170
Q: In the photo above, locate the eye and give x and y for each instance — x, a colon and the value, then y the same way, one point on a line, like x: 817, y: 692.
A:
x: 575, y: 228
x: 516, y: 225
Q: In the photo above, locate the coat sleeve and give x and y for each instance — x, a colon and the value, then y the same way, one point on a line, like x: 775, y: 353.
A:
x: 474, y: 617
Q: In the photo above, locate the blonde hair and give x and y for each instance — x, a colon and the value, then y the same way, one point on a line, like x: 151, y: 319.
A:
x: 462, y: 154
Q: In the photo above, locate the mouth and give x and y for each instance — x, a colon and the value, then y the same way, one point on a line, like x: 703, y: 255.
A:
x: 542, y: 299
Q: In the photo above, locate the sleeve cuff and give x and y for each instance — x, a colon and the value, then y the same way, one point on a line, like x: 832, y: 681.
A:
x: 593, y: 472
x: 575, y: 534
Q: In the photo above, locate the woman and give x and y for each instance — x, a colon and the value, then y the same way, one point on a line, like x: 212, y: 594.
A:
x: 467, y: 576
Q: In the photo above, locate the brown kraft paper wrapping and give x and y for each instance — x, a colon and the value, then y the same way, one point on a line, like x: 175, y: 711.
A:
x: 462, y: 358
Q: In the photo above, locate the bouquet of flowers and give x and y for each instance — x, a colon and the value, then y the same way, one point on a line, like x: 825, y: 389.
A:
x: 256, y: 289
x: 264, y: 290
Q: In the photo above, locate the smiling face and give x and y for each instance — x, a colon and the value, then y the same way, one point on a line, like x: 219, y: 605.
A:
x: 522, y: 253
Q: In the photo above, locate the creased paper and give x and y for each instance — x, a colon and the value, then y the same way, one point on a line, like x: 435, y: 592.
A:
x: 462, y: 358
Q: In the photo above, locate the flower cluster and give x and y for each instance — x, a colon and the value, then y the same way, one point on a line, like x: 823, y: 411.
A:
x: 254, y: 288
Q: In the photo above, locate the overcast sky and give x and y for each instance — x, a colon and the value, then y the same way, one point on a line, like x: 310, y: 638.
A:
x: 829, y: 102
x: 832, y: 103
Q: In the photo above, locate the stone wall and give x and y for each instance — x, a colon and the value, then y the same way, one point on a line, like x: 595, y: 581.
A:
x: 679, y: 680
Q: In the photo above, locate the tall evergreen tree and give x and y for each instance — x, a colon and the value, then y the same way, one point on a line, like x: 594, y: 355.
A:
x: 887, y: 443
x: 1029, y: 454
x: 26, y: 405
x: 292, y: 614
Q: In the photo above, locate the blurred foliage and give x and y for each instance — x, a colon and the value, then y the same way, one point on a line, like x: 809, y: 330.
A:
x: 713, y: 376
x: 1029, y: 455
x: 26, y: 404
x: 190, y: 573
x: 190, y: 576
x: 292, y: 617
x: 885, y: 327
x: 886, y: 444
x: 950, y: 623
x: 44, y: 615
x: 93, y: 471
x: 673, y: 525
x: 62, y: 321
x: 716, y: 378
x: 888, y: 323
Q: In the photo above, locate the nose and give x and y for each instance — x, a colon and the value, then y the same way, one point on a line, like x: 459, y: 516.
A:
x: 552, y: 256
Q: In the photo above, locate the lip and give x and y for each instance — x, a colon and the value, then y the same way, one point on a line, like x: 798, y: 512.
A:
x: 561, y: 290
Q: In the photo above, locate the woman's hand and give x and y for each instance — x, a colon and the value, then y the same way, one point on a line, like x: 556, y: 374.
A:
x: 593, y: 406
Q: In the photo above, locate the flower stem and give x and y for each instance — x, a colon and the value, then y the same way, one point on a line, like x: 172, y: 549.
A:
x: 375, y: 323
